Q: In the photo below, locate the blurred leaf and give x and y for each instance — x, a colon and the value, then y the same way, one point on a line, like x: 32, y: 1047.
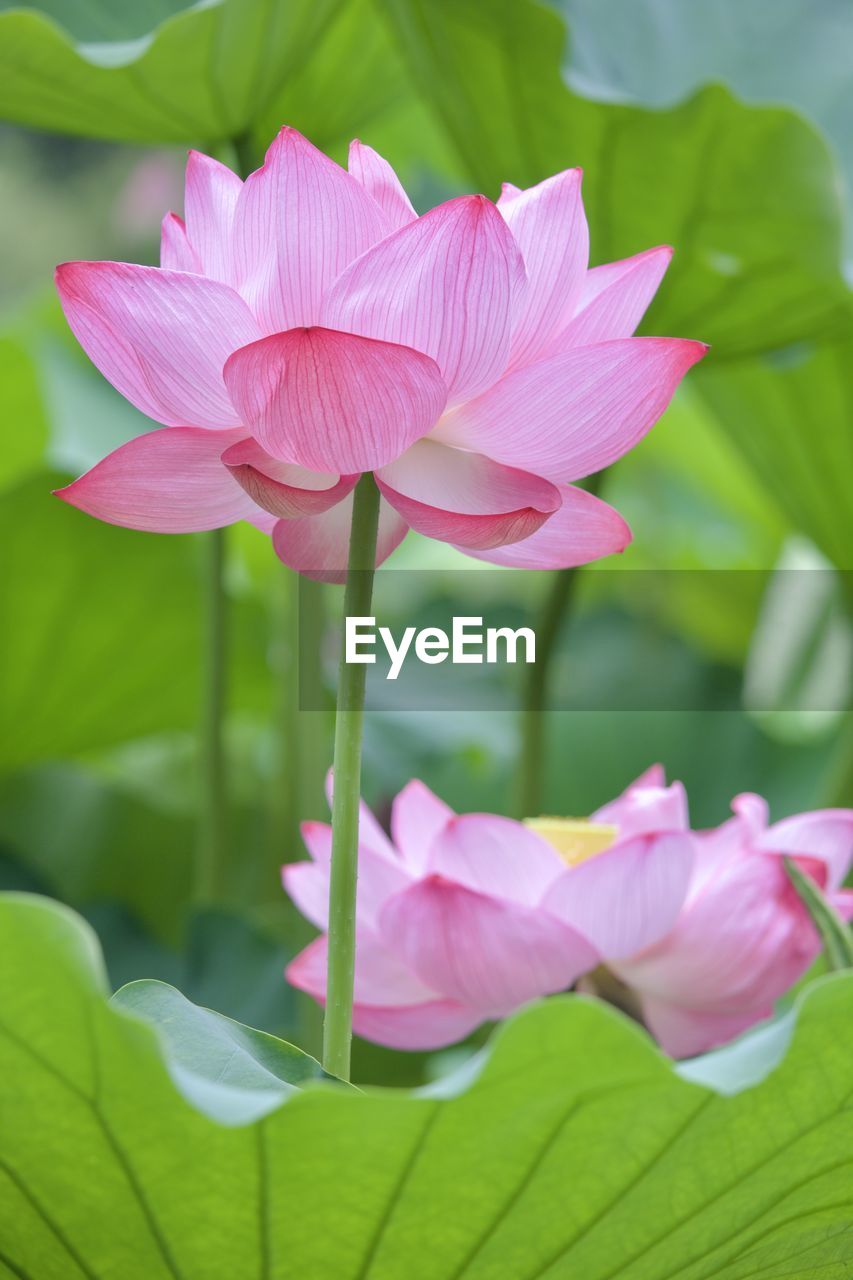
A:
x: 835, y: 934
x: 657, y: 51
x: 747, y: 195
x: 103, y: 20
x: 798, y: 677
x: 21, y: 408
x: 202, y: 74
x: 791, y: 415
x: 230, y: 1072
x: 96, y: 663
x: 340, y: 1184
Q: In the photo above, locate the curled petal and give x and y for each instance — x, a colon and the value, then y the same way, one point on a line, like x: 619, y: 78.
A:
x: 333, y: 401
x: 300, y: 220
x: 465, y: 498
x: 576, y: 412
x: 318, y: 546
x: 445, y: 285
x: 614, y: 299
x: 487, y: 953
x: 644, y: 809
x: 549, y: 226
x: 627, y: 897
x: 281, y: 488
x: 160, y: 337
x: 826, y: 834
x: 584, y: 529
x: 168, y: 481
x: 417, y: 816
x: 210, y: 201
x: 376, y: 176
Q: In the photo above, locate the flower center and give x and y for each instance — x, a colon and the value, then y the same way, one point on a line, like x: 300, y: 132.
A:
x: 574, y: 839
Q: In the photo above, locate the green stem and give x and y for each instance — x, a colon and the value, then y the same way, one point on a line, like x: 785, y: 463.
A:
x: 212, y: 844
x: 349, y: 724
x: 557, y: 606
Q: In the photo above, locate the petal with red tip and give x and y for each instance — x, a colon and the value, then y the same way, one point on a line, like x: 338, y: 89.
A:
x: 160, y: 337
x: 614, y: 299
x: 300, y: 220
x: 446, y: 285
x: 168, y: 481
x: 280, y: 487
x: 210, y: 200
x: 176, y: 252
x: 318, y: 546
x: 584, y: 529
x: 379, y: 179
x: 333, y: 401
x: 576, y: 412
x: 466, y: 498
x: 417, y: 816
x: 549, y: 226
x: 488, y: 954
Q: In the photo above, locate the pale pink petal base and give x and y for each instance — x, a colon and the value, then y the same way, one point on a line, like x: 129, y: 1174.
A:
x: 318, y: 546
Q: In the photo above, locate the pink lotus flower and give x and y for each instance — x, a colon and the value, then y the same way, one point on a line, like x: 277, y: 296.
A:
x: 743, y: 936
x: 306, y: 326
x: 463, y: 919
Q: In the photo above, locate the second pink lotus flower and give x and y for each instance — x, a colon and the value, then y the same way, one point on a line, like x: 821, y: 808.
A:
x: 306, y: 326
x: 462, y: 919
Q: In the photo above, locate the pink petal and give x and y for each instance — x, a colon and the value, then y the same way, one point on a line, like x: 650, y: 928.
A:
x: 210, y: 201
x: 614, y: 299
x: 549, y: 226
x: 379, y: 877
x: 376, y: 176
x: 281, y: 488
x: 584, y: 529
x: 300, y: 220
x: 430, y: 1025
x: 627, y: 897
x: 176, y: 252
x: 417, y: 816
x: 318, y: 546
x: 160, y: 337
x: 496, y: 856
x: 826, y: 834
x: 753, y: 810
x: 486, y: 953
x: 509, y: 192
x: 317, y: 838
x: 576, y: 412
x: 168, y: 481
x: 445, y: 285
x: 683, y: 1032
x: 381, y: 978
x: 332, y: 401
x: 370, y: 833
x: 465, y: 498
x: 643, y: 810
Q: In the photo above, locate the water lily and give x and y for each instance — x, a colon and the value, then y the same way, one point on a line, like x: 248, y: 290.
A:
x: 461, y: 919
x: 306, y: 326
x: 743, y: 936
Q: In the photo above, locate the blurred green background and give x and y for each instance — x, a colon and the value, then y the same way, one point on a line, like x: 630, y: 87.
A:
x: 722, y: 129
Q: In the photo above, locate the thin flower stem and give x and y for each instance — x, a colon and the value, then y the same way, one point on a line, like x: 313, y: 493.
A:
x: 211, y: 865
x: 556, y: 609
x: 349, y: 723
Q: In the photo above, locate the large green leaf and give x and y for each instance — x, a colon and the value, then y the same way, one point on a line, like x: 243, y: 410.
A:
x: 791, y: 415
x: 203, y: 74
x: 747, y: 195
x: 572, y: 1149
x: 86, y: 659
